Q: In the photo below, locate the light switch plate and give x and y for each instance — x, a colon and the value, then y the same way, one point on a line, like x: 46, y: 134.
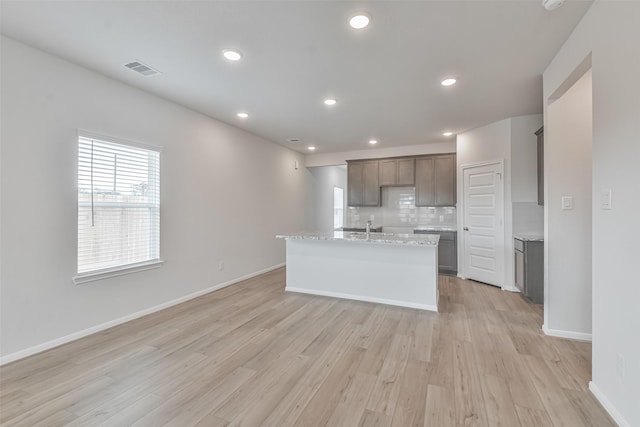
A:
x: 567, y: 203
x: 605, y: 199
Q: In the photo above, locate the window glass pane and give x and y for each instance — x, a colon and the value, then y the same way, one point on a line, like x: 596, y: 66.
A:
x: 338, y: 207
x: 118, y: 205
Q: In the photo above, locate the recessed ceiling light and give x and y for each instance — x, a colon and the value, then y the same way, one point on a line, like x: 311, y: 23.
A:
x: 552, y: 4
x: 447, y: 133
x: 311, y: 148
x: 373, y: 142
x: 330, y: 101
x: 448, y: 82
x: 243, y: 115
x: 232, y: 55
x: 359, y: 21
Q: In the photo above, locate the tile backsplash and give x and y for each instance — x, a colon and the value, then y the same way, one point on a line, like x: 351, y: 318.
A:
x: 528, y: 217
x: 399, y: 210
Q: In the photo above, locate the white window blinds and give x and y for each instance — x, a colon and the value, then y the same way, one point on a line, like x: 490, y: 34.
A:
x: 118, y: 205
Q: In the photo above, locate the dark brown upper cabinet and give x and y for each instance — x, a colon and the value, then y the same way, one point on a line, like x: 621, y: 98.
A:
x: 396, y: 172
x: 435, y: 180
x: 363, y: 188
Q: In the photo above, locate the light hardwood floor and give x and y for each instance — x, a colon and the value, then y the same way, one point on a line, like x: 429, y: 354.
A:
x: 253, y: 355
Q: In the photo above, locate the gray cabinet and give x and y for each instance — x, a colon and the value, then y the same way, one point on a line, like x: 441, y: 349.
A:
x: 363, y: 188
x: 388, y: 172
x: 425, y: 182
x: 529, y: 268
x: 396, y: 172
x: 447, y: 251
x: 435, y: 180
x: 540, y: 135
x: 406, y: 171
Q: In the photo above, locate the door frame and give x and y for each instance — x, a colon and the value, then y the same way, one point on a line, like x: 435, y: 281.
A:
x: 501, y: 259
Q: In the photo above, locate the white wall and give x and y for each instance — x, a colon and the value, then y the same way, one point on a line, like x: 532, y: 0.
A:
x: 568, y: 246
x: 528, y: 216
x: 325, y: 178
x: 512, y: 140
x: 610, y: 33
x: 225, y: 195
x: 340, y: 158
x: 488, y: 143
x: 524, y: 158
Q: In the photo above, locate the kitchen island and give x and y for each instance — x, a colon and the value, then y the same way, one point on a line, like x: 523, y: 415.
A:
x: 395, y: 269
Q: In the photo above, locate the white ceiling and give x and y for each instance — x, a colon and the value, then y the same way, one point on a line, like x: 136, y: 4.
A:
x: 386, y: 77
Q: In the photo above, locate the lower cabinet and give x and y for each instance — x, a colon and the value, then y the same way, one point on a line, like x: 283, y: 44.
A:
x: 447, y: 251
x: 529, y: 268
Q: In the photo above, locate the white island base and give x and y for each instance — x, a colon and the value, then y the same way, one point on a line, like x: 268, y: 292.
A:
x: 397, y: 274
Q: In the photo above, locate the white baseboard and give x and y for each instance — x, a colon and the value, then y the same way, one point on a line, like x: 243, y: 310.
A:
x: 361, y: 298
x: 606, y: 404
x: 580, y: 336
x: 101, y: 327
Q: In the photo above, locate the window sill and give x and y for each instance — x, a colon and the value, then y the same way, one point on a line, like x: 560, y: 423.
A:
x: 92, y: 276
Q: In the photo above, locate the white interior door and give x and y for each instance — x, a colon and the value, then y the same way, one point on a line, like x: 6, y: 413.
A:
x: 483, y: 225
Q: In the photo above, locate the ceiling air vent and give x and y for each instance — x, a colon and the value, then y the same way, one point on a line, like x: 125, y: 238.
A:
x: 141, y: 68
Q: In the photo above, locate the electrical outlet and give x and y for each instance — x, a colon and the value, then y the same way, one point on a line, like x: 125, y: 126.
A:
x: 220, y: 265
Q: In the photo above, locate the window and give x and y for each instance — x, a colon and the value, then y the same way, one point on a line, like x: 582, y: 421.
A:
x: 338, y: 208
x: 118, y: 207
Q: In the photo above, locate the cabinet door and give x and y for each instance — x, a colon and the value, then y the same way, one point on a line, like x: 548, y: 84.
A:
x: 425, y: 182
x: 519, y: 271
x: 445, y: 180
x: 447, y: 256
x: 371, y: 188
x: 355, y: 184
x: 406, y: 171
x: 388, y: 172
x: 540, y: 135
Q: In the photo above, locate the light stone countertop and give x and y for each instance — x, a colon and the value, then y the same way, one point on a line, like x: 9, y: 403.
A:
x: 529, y: 237
x: 436, y: 228
x: 377, y: 238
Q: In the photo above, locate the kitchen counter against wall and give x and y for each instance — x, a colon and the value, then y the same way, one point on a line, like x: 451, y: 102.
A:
x: 436, y: 228
x: 529, y: 237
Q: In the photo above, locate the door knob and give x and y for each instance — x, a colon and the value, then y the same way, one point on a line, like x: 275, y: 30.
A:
x: 466, y: 228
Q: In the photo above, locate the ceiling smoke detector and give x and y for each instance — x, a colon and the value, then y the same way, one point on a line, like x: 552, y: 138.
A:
x: 552, y: 4
x: 293, y: 140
